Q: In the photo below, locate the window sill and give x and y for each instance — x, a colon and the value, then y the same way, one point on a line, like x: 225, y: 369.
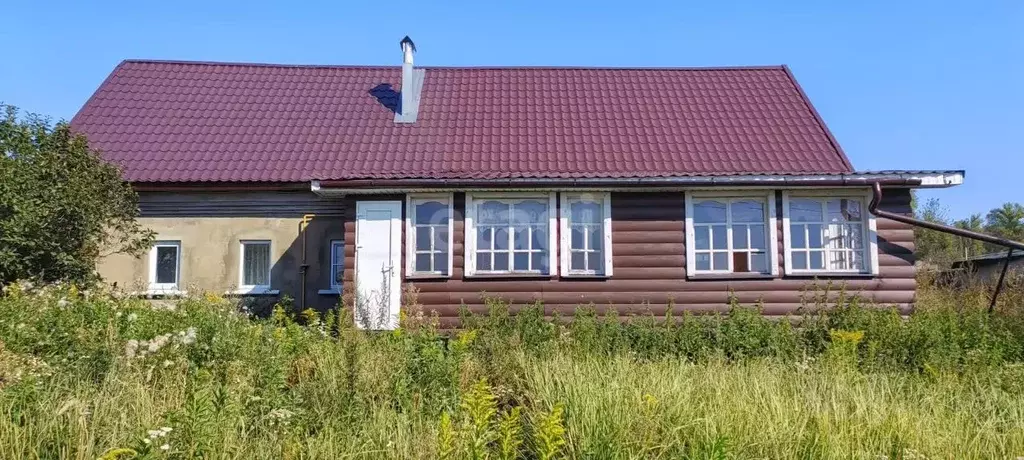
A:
x: 253, y: 291
x: 731, y: 276
x: 427, y: 276
x: 329, y: 291
x: 584, y: 276
x: 160, y: 293
x: 520, y: 276
x: 830, y: 275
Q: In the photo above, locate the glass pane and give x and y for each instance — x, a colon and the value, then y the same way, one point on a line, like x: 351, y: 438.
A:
x: 441, y: 262
x: 709, y: 212
x: 858, y: 261
x: 578, y: 260
x: 739, y: 236
x: 759, y: 262
x: 576, y: 237
x: 521, y: 238
x: 501, y: 238
x: 483, y: 261
x: 757, y: 237
x: 483, y: 237
x: 256, y: 264
x: 719, y: 237
x: 703, y: 261
x: 748, y: 211
x: 854, y: 234
x: 799, y: 259
x: 805, y: 210
x: 796, y: 234
x: 721, y: 260
x: 338, y: 253
x: 336, y: 275
x: 540, y: 261
x: 838, y: 260
x: 844, y: 210
x: 423, y: 263
x: 581, y: 212
x: 422, y: 238
x: 492, y: 212
x: 501, y: 261
x: 441, y: 238
x: 595, y: 261
x: 540, y: 237
x: 817, y: 260
x: 530, y: 211
x: 595, y: 237
x: 521, y: 261
x: 166, y: 264
x: 815, y: 236
x: 431, y: 212
x: 702, y: 237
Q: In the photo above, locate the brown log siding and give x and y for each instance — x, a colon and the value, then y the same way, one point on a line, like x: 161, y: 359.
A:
x: 649, y: 247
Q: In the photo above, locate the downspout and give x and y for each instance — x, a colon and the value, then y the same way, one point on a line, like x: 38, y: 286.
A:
x: 1011, y: 245
x: 303, y: 267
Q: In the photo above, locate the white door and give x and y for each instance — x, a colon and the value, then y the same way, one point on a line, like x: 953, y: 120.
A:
x: 378, y: 258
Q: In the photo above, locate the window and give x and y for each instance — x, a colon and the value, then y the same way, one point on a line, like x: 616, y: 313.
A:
x: 586, y: 234
x: 337, y: 264
x: 510, y: 234
x: 730, y: 233
x: 429, y: 235
x: 255, y: 267
x: 165, y: 266
x: 829, y: 234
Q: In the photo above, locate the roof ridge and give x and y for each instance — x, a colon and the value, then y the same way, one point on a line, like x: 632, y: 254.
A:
x: 444, y: 67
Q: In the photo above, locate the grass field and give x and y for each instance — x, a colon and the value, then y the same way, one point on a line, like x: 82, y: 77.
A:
x: 87, y: 375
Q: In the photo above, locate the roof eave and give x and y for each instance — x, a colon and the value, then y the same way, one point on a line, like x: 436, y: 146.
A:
x: 912, y: 179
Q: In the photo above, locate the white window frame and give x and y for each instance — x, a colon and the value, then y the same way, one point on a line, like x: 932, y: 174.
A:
x: 772, y: 230
x: 470, y: 231
x: 254, y: 288
x: 410, y: 233
x: 565, y: 250
x: 870, y: 228
x: 155, y: 287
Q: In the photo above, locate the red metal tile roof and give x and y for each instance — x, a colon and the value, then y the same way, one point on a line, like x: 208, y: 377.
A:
x: 197, y: 122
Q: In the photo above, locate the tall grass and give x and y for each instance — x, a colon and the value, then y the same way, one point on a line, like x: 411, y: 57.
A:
x: 89, y: 375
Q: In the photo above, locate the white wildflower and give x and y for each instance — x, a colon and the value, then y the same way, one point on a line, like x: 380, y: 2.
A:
x: 62, y: 302
x: 166, y: 429
x: 281, y: 414
x: 189, y: 337
x: 153, y: 434
x: 165, y: 447
x: 146, y: 440
x: 168, y: 363
x: 130, y: 348
x: 132, y: 316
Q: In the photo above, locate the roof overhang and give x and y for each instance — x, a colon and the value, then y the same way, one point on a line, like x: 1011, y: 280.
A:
x: 909, y: 179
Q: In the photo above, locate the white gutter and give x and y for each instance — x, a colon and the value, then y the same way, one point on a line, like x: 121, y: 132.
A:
x: 921, y: 179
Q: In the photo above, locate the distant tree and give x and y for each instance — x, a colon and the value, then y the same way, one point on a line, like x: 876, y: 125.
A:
x: 61, y: 206
x: 1007, y: 221
x: 969, y: 247
x: 933, y: 246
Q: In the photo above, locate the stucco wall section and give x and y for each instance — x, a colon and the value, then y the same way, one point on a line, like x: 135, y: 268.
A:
x: 211, y: 251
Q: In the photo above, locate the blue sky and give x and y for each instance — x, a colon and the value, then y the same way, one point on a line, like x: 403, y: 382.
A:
x: 903, y: 85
